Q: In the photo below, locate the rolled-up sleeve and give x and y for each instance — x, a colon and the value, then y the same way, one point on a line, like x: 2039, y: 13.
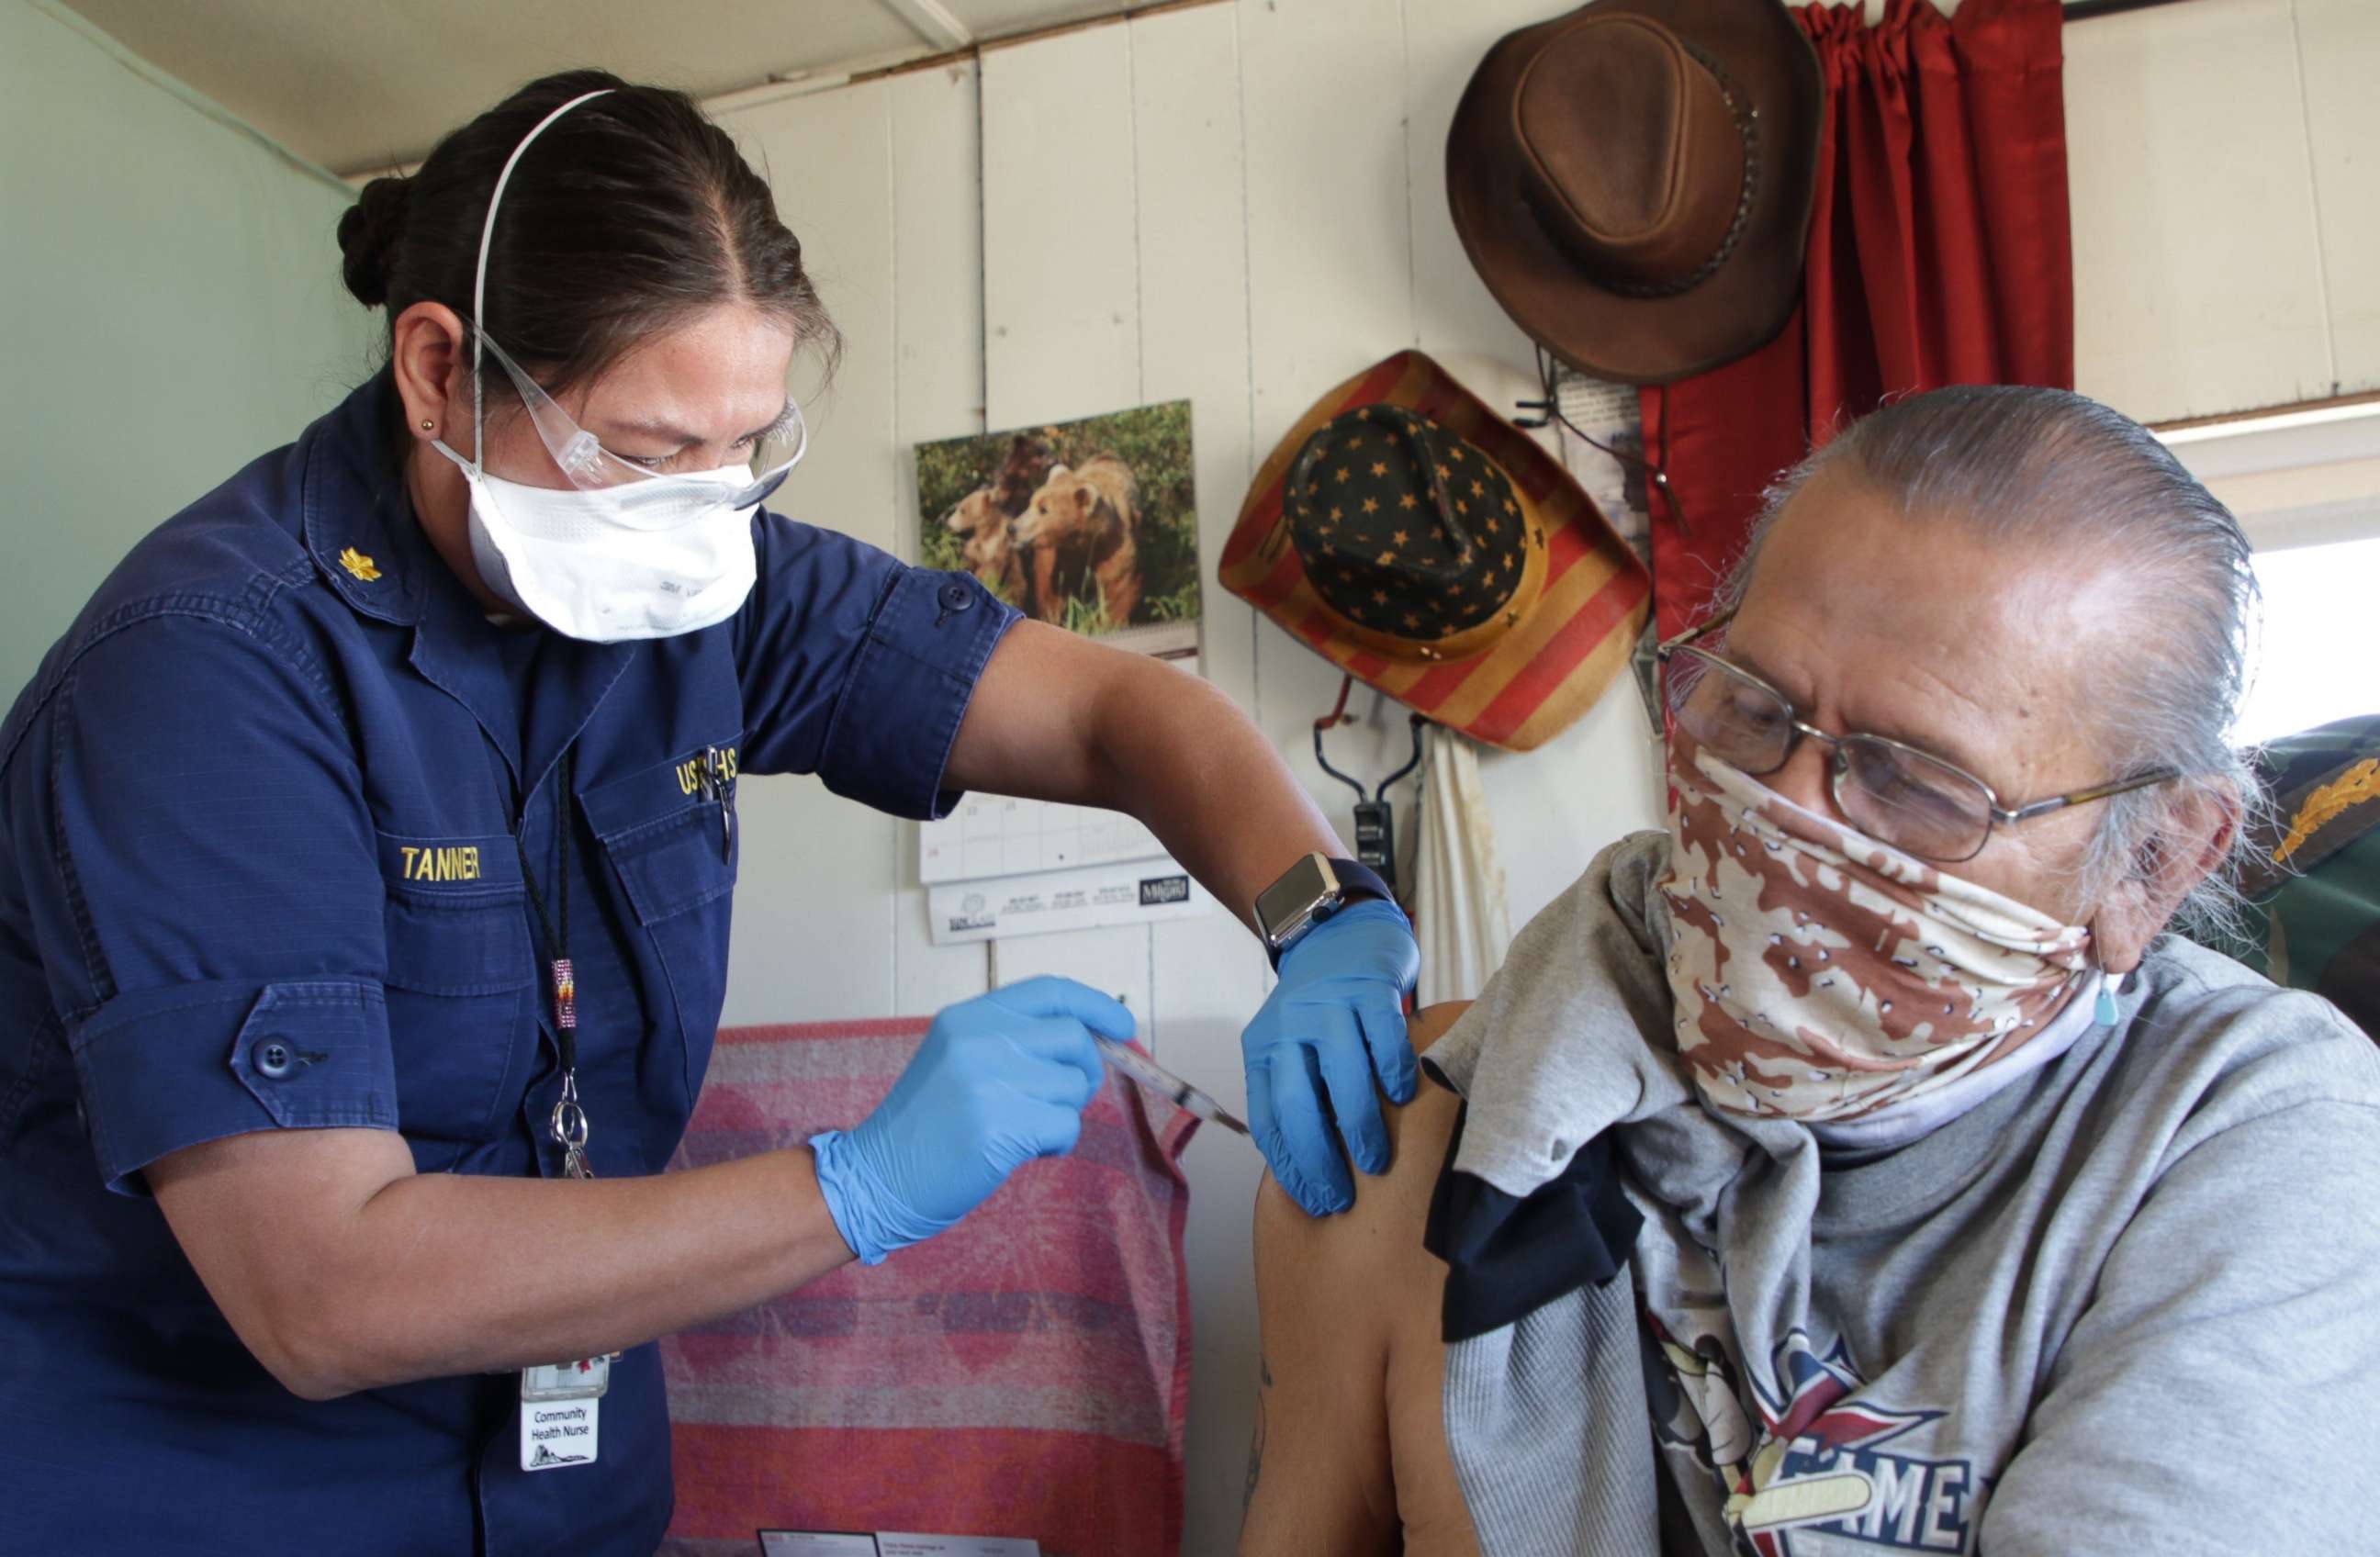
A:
x: 858, y: 668
x: 205, y: 890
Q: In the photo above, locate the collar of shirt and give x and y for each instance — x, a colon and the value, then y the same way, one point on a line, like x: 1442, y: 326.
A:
x: 369, y: 546
x: 1905, y: 1122
x: 358, y: 517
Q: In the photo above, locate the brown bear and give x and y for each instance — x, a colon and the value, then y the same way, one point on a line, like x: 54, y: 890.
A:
x: 982, y: 520
x: 1083, y: 522
x: 990, y: 552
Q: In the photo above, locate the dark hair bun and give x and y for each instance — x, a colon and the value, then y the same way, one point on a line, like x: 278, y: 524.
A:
x: 368, y: 235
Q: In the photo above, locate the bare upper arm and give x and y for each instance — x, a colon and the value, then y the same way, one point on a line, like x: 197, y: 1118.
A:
x: 1351, y: 1448
x: 1028, y: 727
x: 261, y: 1218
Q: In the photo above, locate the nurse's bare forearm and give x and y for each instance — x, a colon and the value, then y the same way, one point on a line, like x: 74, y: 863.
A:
x: 1183, y: 757
x: 1056, y: 716
x: 343, y: 1269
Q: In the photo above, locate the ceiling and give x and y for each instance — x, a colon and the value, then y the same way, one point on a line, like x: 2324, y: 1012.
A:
x: 360, y: 86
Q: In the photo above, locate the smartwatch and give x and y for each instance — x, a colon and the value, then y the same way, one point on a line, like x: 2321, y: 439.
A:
x: 1308, y: 893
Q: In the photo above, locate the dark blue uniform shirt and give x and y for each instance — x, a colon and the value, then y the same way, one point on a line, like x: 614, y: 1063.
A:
x: 258, y: 871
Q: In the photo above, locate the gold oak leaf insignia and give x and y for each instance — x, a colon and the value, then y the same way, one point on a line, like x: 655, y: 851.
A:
x: 359, y: 564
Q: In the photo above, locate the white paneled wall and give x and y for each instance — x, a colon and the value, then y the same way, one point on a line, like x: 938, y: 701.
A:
x: 1241, y: 204
x: 2227, y: 204
x: 2339, y: 44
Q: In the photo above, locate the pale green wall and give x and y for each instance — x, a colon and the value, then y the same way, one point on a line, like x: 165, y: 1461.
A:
x: 170, y: 308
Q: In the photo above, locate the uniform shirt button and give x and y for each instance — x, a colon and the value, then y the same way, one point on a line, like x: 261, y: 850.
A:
x: 957, y: 597
x: 272, y: 1059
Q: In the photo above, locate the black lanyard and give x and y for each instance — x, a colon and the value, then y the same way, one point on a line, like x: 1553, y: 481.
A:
x: 569, y: 1118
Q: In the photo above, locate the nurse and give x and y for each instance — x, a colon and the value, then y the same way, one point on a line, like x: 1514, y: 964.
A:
x: 366, y: 854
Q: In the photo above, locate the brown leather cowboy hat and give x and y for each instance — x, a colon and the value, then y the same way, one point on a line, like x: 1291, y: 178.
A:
x: 1633, y: 180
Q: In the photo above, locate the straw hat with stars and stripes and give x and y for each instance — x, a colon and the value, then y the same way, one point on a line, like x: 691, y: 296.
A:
x: 1408, y: 534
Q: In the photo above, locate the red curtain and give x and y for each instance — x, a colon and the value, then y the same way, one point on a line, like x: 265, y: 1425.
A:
x: 1939, y: 254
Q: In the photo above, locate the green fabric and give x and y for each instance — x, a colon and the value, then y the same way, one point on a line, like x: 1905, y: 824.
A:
x: 2315, y: 882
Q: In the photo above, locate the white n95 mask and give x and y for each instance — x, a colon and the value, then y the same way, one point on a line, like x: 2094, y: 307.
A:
x: 622, y: 553
x: 666, y: 556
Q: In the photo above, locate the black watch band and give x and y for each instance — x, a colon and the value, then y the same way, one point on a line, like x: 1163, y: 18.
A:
x: 1354, y: 877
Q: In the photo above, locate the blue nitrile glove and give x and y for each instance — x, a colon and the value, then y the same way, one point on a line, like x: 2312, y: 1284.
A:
x: 1336, y: 1019
x: 1000, y: 1079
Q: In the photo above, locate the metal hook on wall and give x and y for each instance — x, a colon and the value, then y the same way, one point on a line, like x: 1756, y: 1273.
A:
x: 1375, y: 821
x: 1547, y: 412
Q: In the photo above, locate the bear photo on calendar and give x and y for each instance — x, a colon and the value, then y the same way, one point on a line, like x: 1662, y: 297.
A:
x: 1091, y: 525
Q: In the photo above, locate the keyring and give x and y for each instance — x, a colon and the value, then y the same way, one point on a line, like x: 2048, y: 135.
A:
x: 570, y: 1124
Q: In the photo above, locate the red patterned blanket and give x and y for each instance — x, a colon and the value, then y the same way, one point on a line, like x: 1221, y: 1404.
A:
x: 1027, y: 1373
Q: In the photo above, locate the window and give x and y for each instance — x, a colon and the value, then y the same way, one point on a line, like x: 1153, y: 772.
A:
x: 2306, y: 486
x: 2319, y: 657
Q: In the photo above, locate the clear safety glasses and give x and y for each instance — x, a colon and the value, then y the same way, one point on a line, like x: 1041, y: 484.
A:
x: 590, y: 466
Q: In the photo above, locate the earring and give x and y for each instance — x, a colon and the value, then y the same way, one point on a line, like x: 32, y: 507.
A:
x: 429, y: 426
x: 2103, y: 1012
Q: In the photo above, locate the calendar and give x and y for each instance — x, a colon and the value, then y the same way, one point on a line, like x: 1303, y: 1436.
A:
x: 999, y: 866
x: 995, y: 835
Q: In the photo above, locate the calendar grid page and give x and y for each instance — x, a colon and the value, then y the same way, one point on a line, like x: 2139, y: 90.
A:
x: 997, y: 835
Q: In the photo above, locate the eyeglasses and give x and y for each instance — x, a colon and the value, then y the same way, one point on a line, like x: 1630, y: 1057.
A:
x: 590, y: 466
x: 1911, y: 799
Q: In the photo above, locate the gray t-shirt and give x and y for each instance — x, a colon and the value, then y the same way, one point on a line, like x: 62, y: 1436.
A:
x: 2130, y: 1303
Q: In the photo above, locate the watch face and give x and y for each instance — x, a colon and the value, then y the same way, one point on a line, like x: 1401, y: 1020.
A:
x: 1289, y: 902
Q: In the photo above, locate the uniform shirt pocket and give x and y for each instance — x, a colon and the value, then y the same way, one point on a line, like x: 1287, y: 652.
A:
x: 669, y: 834
x: 460, y: 984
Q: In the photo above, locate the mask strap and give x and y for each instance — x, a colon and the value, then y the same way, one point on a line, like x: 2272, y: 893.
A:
x: 479, y: 280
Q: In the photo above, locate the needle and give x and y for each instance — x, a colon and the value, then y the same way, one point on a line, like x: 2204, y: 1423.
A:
x: 1164, y: 1083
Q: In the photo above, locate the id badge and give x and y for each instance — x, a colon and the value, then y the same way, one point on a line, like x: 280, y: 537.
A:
x: 562, y: 1412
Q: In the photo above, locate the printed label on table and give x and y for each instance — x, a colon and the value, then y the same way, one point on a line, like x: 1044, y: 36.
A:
x: 891, y: 1543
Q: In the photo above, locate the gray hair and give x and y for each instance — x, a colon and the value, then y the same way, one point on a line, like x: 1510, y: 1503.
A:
x: 2051, y: 470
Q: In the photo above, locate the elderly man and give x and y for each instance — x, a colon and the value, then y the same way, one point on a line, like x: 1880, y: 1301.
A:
x: 1856, y: 1165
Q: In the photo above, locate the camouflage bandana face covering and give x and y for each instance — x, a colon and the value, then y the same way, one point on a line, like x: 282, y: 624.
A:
x: 1820, y: 974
